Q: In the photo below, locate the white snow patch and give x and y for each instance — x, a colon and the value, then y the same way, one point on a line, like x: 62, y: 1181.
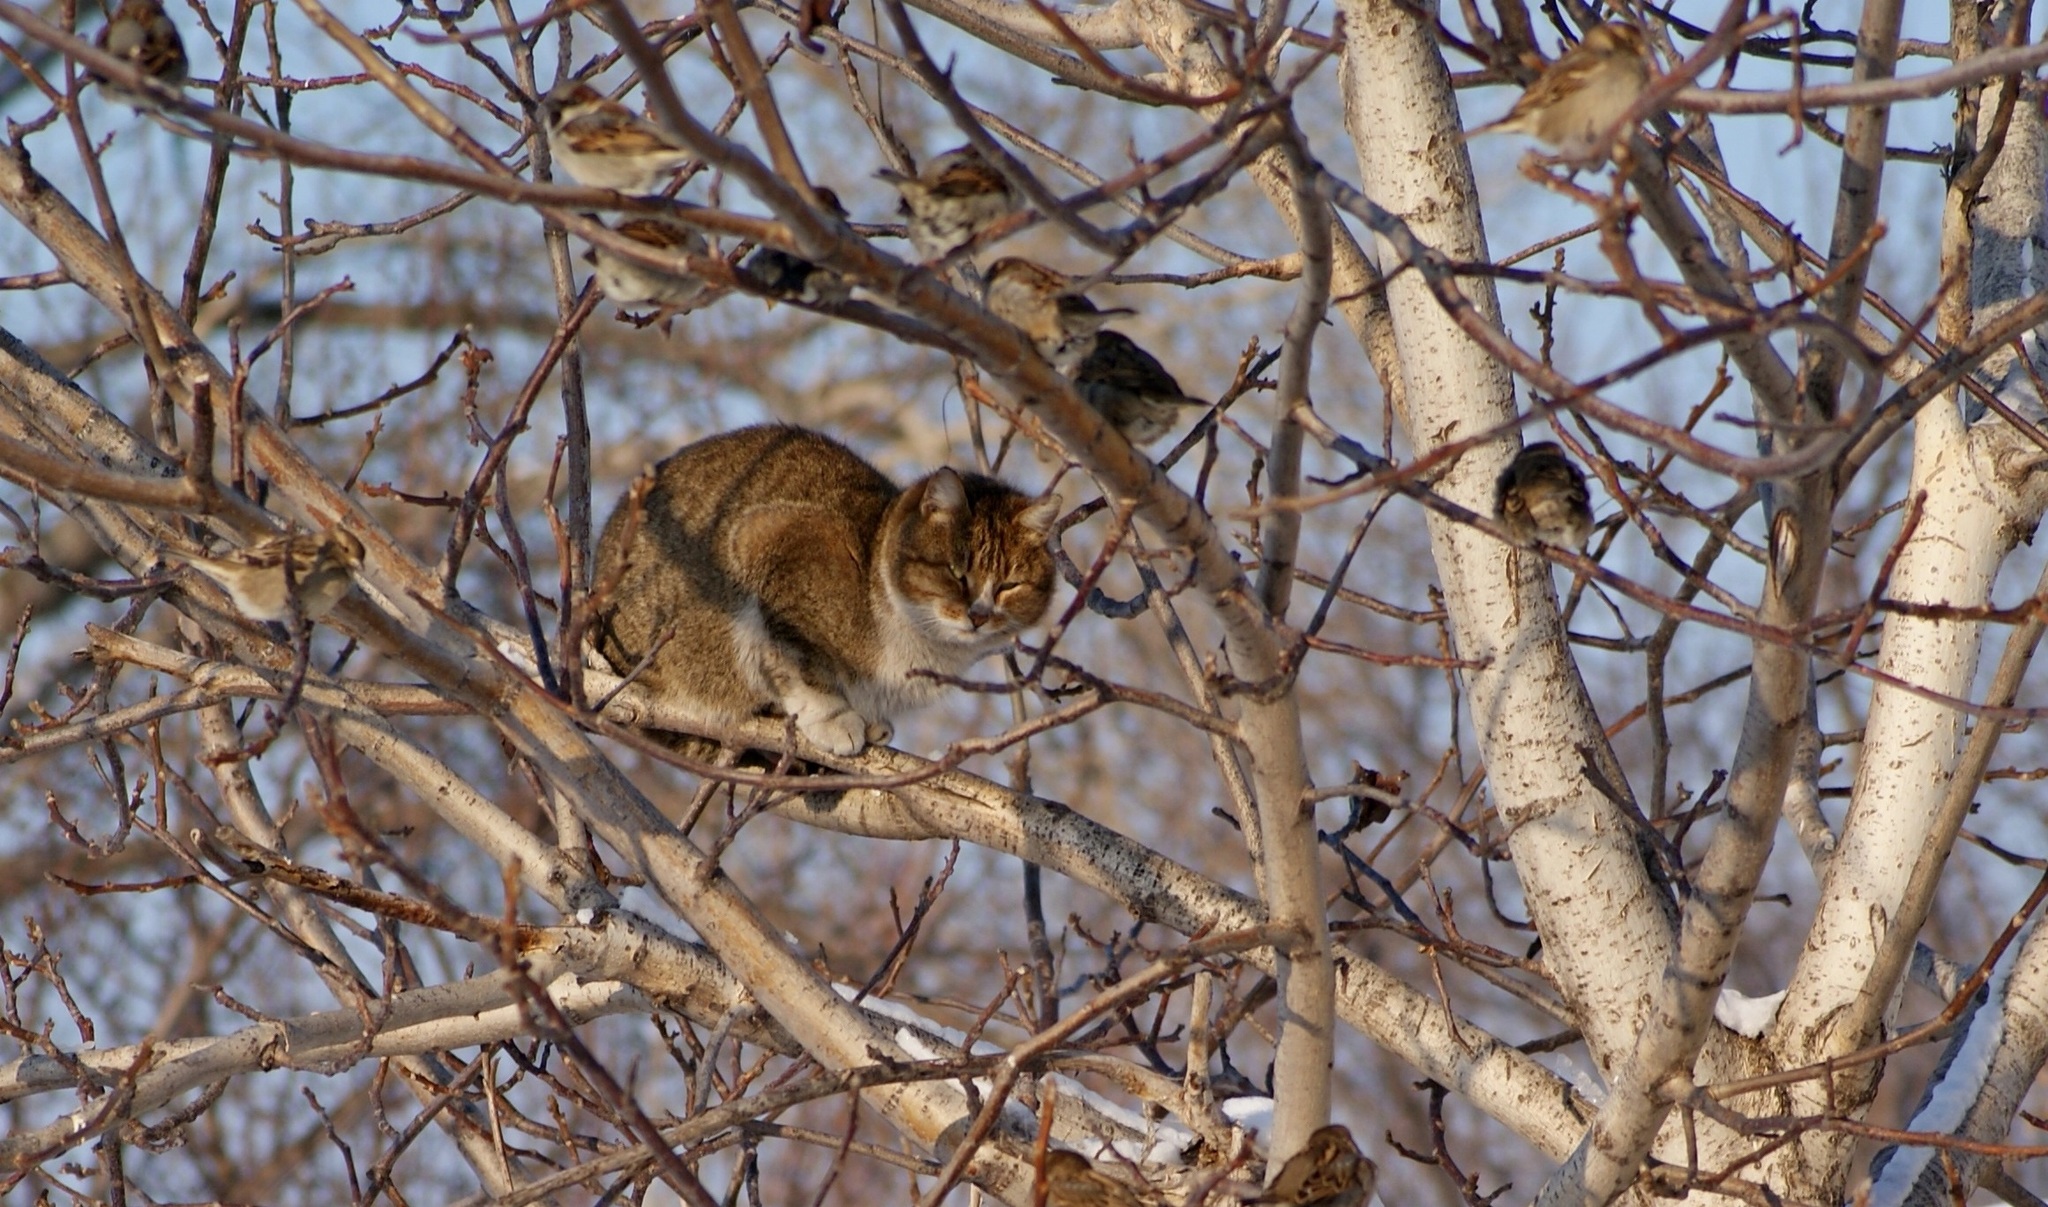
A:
x: 2018, y: 386
x: 1167, y: 1152
x: 1114, y: 1112
x: 1162, y: 1143
x: 1963, y: 1084
x: 517, y: 654
x: 1948, y: 1105
x: 904, y: 1014
x: 1163, y: 1152
x: 1254, y: 1114
x: 1586, y: 1081
x: 915, y: 1045
x: 1745, y: 1015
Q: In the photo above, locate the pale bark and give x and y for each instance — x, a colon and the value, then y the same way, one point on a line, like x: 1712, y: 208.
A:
x: 1681, y: 1021
x: 1484, y: 1071
x: 1606, y: 924
x: 545, y: 870
x: 1030, y: 36
x: 1862, y: 175
x: 787, y: 987
x: 1981, y: 498
x: 1968, y: 524
x: 1977, y: 1089
x: 1978, y: 492
x: 1269, y: 723
x: 425, y: 1073
x: 934, y: 804
x: 448, y: 657
x: 1767, y: 759
x: 419, y: 1023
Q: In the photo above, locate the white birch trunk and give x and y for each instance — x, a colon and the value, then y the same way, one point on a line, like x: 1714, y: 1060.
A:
x: 1491, y: 1075
x: 1967, y: 527
x: 1606, y: 926
x: 1989, y: 1066
x: 1983, y: 495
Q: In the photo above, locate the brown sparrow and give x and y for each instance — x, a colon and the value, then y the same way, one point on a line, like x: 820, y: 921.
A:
x: 1541, y: 496
x: 1369, y: 807
x: 1043, y: 305
x: 1070, y: 1181
x: 1329, y: 1171
x: 956, y: 197
x: 141, y: 34
x: 604, y: 144
x: 788, y: 276
x: 629, y: 283
x: 1577, y: 102
x: 1131, y: 389
x: 263, y: 578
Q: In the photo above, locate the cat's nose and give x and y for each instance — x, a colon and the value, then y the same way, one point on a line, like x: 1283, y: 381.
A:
x: 980, y: 612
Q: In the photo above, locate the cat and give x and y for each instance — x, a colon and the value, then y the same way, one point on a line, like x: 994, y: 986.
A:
x: 770, y: 571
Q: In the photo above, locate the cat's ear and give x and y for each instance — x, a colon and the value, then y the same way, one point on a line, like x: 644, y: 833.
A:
x: 1038, y: 518
x: 944, y: 494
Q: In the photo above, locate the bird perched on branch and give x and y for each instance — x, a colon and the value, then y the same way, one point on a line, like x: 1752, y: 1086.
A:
x: 1130, y: 389
x: 142, y: 34
x: 958, y: 195
x: 1578, y: 101
x: 786, y: 275
x: 263, y: 578
x: 1329, y: 1171
x: 1541, y: 496
x: 1071, y: 1181
x: 1369, y: 805
x: 628, y: 282
x: 1045, y: 306
x: 604, y: 144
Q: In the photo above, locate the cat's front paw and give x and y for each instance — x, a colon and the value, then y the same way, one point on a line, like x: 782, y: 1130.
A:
x: 880, y: 733
x: 843, y: 733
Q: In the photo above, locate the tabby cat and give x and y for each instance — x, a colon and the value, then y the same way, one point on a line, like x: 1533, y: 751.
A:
x: 772, y: 571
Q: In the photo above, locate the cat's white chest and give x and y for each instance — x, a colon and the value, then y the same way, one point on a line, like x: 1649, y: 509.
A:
x: 912, y: 640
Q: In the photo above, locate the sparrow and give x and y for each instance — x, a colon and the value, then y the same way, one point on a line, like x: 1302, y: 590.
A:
x: 142, y: 34
x: 787, y: 276
x: 1130, y: 389
x: 604, y: 144
x: 956, y: 197
x: 262, y: 578
x: 1576, y: 103
x: 1369, y: 807
x: 629, y: 283
x: 1070, y: 1181
x: 1329, y: 1171
x: 1541, y: 496
x: 1043, y: 305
